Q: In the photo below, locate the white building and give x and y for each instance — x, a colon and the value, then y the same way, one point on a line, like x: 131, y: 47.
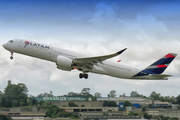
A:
x: 138, y: 100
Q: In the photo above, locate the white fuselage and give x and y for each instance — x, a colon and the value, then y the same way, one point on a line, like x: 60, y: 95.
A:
x: 50, y: 53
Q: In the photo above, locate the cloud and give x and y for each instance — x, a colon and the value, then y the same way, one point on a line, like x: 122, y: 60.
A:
x: 104, y: 13
x: 102, y: 28
x: 146, y: 27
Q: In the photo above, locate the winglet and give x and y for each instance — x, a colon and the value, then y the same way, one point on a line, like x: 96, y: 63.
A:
x: 121, y: 51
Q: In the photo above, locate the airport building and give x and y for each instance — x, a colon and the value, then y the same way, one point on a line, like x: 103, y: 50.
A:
x: 137, y: 102
x: 23, y: 112
x: 83, y: 105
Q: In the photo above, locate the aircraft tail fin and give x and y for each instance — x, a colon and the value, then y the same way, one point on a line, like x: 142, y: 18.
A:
x: 160, y: 65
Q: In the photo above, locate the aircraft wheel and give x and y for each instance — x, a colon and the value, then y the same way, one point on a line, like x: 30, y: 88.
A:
x: 11, y: 56
x: 86, y: 76
x: 81, y: 75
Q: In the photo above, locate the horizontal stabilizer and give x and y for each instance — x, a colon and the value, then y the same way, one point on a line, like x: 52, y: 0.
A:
x: 162, y: 75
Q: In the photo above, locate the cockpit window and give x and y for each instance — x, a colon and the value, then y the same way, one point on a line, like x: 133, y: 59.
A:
x: 11, y: 41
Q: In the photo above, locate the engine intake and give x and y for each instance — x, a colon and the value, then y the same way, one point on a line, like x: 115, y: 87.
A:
x: 64, y: 63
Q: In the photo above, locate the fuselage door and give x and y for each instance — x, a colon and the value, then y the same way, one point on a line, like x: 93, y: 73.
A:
x: 50, y: 50
x: 21, y: 43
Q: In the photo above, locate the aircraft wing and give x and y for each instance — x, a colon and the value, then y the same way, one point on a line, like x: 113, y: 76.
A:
x: 98, y: 59
x: 89, y: 62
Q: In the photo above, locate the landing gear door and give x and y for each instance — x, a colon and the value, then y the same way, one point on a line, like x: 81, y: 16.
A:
x: 21, y: 43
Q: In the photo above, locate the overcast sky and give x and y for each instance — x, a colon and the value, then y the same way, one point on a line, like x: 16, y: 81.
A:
x: 148, y: 28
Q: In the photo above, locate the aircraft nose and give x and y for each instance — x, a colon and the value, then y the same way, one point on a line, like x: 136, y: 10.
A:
x: 5, y: 45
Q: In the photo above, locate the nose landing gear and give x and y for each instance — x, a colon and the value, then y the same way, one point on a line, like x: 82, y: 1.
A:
x: 11, y: 56
x: 83, y: 75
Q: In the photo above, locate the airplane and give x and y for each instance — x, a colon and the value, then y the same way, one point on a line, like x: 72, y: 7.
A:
x: 69, y: 60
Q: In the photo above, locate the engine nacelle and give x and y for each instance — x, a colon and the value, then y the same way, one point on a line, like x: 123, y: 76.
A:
x: 64, y: 63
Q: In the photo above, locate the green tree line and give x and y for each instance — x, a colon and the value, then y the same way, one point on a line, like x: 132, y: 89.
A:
x: 157, y: 96
x: 15, y: 95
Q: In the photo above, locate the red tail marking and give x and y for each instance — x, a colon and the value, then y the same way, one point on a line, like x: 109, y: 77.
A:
x: 169, y: 56
x: 161, y: 66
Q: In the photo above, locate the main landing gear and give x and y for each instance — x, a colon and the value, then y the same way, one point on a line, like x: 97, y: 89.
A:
x: 83, y: 75
x: 11, y: 56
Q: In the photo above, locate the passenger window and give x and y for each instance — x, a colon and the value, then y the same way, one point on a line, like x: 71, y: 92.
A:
x: 11, y: 41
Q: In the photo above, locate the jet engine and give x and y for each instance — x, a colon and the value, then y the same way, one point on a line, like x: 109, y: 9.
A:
x: 64, y: 63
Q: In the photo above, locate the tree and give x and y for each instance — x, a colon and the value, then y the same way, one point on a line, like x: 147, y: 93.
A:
x: 4, y: 117
x: 112, y: 93
x: 109, y: 104
x: 44, y: 95
x: 73, y: 94
x: 143, y: 109
x: 105, y: 103
x: 15, y: 91
x: 72, y: 104
x: 97, y: 95
x: 3, y: 101
x: 127, y: 103
x: 141, y: 95
x: 22, y: 88
x: 112, y: 104
x: 52, y: 111
x: 175, y: 118
x: 178, y: 99
x: 8, y: 103
x: 85, y: 92
x: 146, y: 116
x: 1, y: 93
x: 155, y: 95
x: 133, y: 113
x: 41, y: 102
x: 13, y: 94
x: 34, y: 101
x: 25, y: 103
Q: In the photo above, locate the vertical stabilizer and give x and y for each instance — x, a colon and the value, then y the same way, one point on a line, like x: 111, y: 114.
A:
x: 159, y: 66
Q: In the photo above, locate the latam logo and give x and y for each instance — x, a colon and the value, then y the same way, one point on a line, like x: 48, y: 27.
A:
x: 36, y: 45
x: 26, y: 43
